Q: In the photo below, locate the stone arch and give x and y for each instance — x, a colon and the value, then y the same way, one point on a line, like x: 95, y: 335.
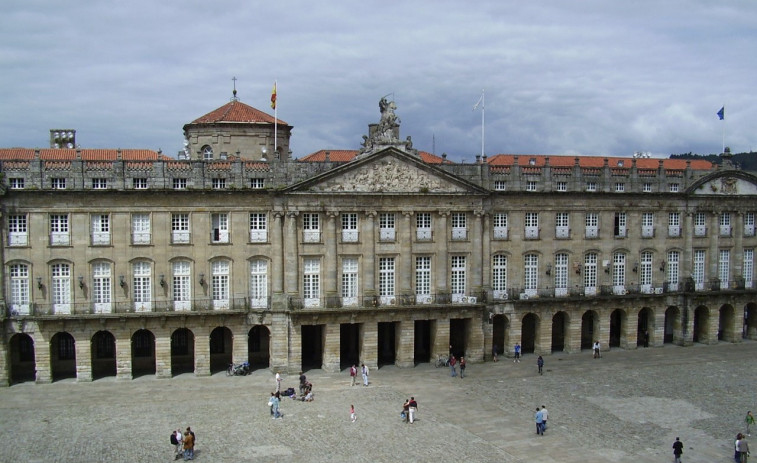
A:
x: 645, y: 329
x: 750, y: 321
x: 62, y: 356
x: 701, y: 331
x: 500, y: 333
x: 727, y: 327
x: 142, y: 353
x: 23, y: 366
x: 182, y: 351
x: 560, y: 331
x: 589, y: 329
x: 221, y: 349
x: 259, y: 347
x: 103, y: 351
x: 673, y: 327
x: 530, y: 332
x: 618, y: 328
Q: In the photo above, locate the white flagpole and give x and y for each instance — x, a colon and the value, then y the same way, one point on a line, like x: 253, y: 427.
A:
x: 276, y: 120
x: 483, y: 113
x: 723, y: 151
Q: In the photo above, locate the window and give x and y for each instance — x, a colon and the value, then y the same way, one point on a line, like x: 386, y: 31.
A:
x: 423, y: 280
x: 562, y: 186
x: 531, y: 272
x: 17, y: 183
x: 647, y: 224
x: 311, y: 283
x: 530, y: 185
x: 499, y: 185
x: 58, y: 183
x: 645, y: 275
x: 220, y: 226
x: 700, y: 224
x: 562, y: 229
x: 386, y: 226
x: 724, y: 274
x: 140, y: 229
x: 257, y: 183
x: 499, y: 276
x: 61, y: 288
x: 673, y: 187
x: 591, y: 186
x: 459, y: 226
x: 180, y: 228
x: 561, y: 274
x: 698, y: 274
x: 590, y: 274
x: 646, y: 188
x: 423, y: 226
x: 749, y: 224
x: 218, y: 183
x: 19, y: 280
x: 220, y: 284
x: 592, y: 225
x: 349, y: 281
x: 179, y: 184
x: 59, y: 232
x: 532, y: 225
x: 499, y: 222
x: 620, y: 187
x: 674, y: 224
x: 99, y: 183
x: 182, y: 285
x: 258, y: 283
x: 749, y: 268
x: 66, y: 348
x: 620, y: 225
x: 386, y: 280
x: 619, y: 273
x: 18, y: 233
x: 457, y: 278
x: 207, y: 153
x: 311, y: 228
x: 100, y: 229
x: 258, y: 227
x: 102, y: 287
x: 672, y: 267
x: 725, y: 224
x: 139, y: 183
x: 349, y: 227
x: 142, y: 286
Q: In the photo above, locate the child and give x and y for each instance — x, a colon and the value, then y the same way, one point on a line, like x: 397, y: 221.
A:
x: 540, y: 364
x: 353, y: 417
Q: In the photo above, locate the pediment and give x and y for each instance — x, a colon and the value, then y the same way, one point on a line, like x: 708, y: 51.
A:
x: 726, y: 184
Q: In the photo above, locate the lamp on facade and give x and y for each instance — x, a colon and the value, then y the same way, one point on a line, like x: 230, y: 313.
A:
x: 121, y: 281
x: 162, y: 280
x: 635, y: 267
x: 549, y: 269
x: 39, y: 282
x: 202, y: 279
x: 81, y: 282
x: 662, y: 266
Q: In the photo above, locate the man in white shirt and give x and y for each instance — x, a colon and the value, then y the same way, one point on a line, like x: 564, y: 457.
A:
x: 544, y: 416
x: 278, y: 382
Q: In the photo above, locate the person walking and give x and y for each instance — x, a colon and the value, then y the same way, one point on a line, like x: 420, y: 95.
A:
x: 597, y: 354
x: 452, y: 363
x: 275, y: 401
x: 736, y: 453
x: 539, y: 421
x: 540, y: 364
x: 189, y: 446
x: 743, y: 448
x: 353, y: 374
x: 517, y: 353
x: 677, y: 450
x: 494, y: 353
x: 749, y: 420
x: 544, y: 416
x: 365, y: 374
x: 412, y: 408
x: 278, y: 382
x: 406, y: 410
x: 462, y: 367
x: 353, y: 417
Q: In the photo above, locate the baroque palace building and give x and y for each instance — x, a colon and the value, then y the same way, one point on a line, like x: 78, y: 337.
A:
x: 126, y: 262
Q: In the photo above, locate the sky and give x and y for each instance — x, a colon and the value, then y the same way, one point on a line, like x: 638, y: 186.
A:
x: 593, y: 77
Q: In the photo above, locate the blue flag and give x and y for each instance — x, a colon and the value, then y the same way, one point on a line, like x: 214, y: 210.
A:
x: 721, y: 113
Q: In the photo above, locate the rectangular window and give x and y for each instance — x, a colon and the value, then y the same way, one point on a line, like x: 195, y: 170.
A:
x: 257, y: 183
x: 18, y: 232
x: 619, y: 273
x: 620, y: 187
x: 58, y: 183
x: 499, y: 276
x: 142, y: 286
x: 562, y: 228
x: 749, y: 224
x: 349, y: 227
x: 140, y: 229
x: 724, y: 268
x: 645, y: 273
x: 647, y: 225
x: 457, y: 278
x: 698, y: 273
x: 220, y: 225
x: 532, y: 225
x: 423, y: 226
x: 59, y: 231
x: 220, y: 284
x: 180, y: 228
x: 99, y: 183
x: 311, y: 228
x: 530, y: 185
x: 349, y: 281
x: 700, y: 224
x: 139, y: 183
x: 102, y: 287
x: 592, y: 225
x: 620, y: 225
x: 562, y: 186
x: 19, y: 281
x: 423, y: 280
x: 749, y: 268
x: 499, y: 223
x: 561, y: 274
x: 61, y: 288
x: 459, y: 226
x: 311, y: 282
x: 591, y: 186
x: 674, y: 224
x: 673, y: 187
x: 182, y: 285
x: 17, y: 183
x: 590, y: 274
x: 672, y: 267
x: 218, y: 183
x: 386, y: 279
x: 258, y: 227
x: 646, y: 188
x: 179, y: 184
x: 386, y: 226
x: 499, y: 185
x: 725, y: 224
x: 531, y: 274
x: 100, y: 229
x: 258, y: 283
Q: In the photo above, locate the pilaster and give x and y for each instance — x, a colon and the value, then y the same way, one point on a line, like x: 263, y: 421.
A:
x: 370, y: 344
x: 202, y: 353
x: 83, y: 359
x: 406, y: 345
x: 331, y: 344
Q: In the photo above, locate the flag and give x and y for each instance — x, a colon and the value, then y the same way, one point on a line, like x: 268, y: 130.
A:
x: 480, y: 101
x: 721, y: 113
x: 273, y: 96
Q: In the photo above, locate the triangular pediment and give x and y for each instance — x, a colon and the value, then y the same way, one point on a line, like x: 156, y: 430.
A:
x: 728, y: 183
x: 389, y: 171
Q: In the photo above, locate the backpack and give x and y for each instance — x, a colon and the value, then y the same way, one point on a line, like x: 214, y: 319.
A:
x: 173, y: 439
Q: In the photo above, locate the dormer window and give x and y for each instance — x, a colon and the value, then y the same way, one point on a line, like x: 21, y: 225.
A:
x: 207, y: 152
x: 620, y: 163
x: 532, y: 162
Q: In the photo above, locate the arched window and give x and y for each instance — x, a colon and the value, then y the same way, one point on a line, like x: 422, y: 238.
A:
x: 258, y: 283
x: 207, y: 152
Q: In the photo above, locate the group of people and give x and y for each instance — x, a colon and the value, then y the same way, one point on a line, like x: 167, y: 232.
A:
x: 184, y: 444
x: 454, y: 364
x: 364, y: 372
x: 740, y: 445
x: 541, y: 419
x: 409, y: 408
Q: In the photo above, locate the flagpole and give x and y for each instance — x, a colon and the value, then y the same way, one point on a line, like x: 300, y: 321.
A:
x: 723, y: 130
x: 483, y: 112
x: 276, y: 121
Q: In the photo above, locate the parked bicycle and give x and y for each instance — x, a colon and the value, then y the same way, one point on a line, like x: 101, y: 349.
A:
x: 239, y: 369
x: 442, y: 361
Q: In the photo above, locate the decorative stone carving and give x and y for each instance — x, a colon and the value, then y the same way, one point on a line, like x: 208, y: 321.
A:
x: 728, y: 185
x: 386, y: 133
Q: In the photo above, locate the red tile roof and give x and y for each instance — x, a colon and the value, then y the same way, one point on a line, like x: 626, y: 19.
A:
x: 349, y: 155
x: 59, y: 154
x: 236, y: 112
x: 524, y: 160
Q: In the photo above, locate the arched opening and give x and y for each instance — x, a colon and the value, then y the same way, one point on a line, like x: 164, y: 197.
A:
x: 727, y: 324
x: 559, y: 331
x: 22, y: 359
x: 312, y: 346
x: 182, y: 351
x: 259, y: 347
x: 103, y: 349
x: 142, y: 353
x: 589, y: 329
x: 500, y: 334
x: 529, y: 333
x: 389, y: 335
x: 750, y: 321
x: 349, y: 344
x: 617, y: 327
x: 221, y: 349
x: 645, y: 327
x: 701, y: 324
x: 673, y: 333
x: 458, y: 339
x: 62, y: 356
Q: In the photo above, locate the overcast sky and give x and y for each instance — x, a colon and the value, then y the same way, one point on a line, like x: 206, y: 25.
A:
x: 592, y: 77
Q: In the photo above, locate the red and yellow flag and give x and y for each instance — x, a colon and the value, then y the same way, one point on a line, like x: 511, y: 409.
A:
x: 273, y: 96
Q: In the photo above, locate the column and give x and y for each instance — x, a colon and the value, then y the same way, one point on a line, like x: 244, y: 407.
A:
x: 543, y: 339
x: 440, y: 338
x: 277, y: 256
x: 441, y: 272
x: 42, y: 358
x: 202, y: 352
x: 291, y: 270
x: 370, y: 345
x: 368, y: 250
x: 476, y: 251
x: 737, y: 256
x: 123, y: 355
x: 83, y: 359
x: 712, y: 259
x: 239, y: 338
x: 294, y: 364
x: 516, y: 334
x: 573, y: 331
x: 657, y: 337
x: 331, y: 352
x: 280, y: 356
x: 474, y: 351
x: 330, y: 270
x: 405, y: 277
x: 162, y: 354
x: 602, y: 333
x: 629, y: 336
x: 406, y: 345
x: 486, y: 271
x: 686, y: 266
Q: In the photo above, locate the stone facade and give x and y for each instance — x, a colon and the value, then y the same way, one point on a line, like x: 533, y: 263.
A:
x: 135, y: 263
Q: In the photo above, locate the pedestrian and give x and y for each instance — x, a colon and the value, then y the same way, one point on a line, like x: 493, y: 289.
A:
x: 540, y: 364
x: 177, y: 439
x: 677, y: 450
x: 189, y: 446
x: 539, y: 417
x: 365, y: 374
x: 737, y: 454
x: 353, y: 374
x: 275, y: 401
x: 412, y: 408
x: 452, y: 363
x: 646, y: 338
x: 544, y: 416
x: 406, y: 411
x: 749, y: 420
x: 494, y: 353
x: 462, y: 367
x: 743, y: 448
x: 303, y: 380
x: 517, y: 352
x: 194, y: 439
x: 597, y: 355
x: 278, y: 382
x: 353, y: 417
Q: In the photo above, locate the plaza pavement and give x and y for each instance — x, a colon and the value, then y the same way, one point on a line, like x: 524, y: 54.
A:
x: 627, y: 407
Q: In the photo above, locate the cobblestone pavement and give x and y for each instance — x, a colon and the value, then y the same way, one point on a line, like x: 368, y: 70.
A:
x: 627, y: 407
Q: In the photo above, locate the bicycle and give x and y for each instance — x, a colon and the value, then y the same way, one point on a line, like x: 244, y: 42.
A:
x: 442, y: 361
